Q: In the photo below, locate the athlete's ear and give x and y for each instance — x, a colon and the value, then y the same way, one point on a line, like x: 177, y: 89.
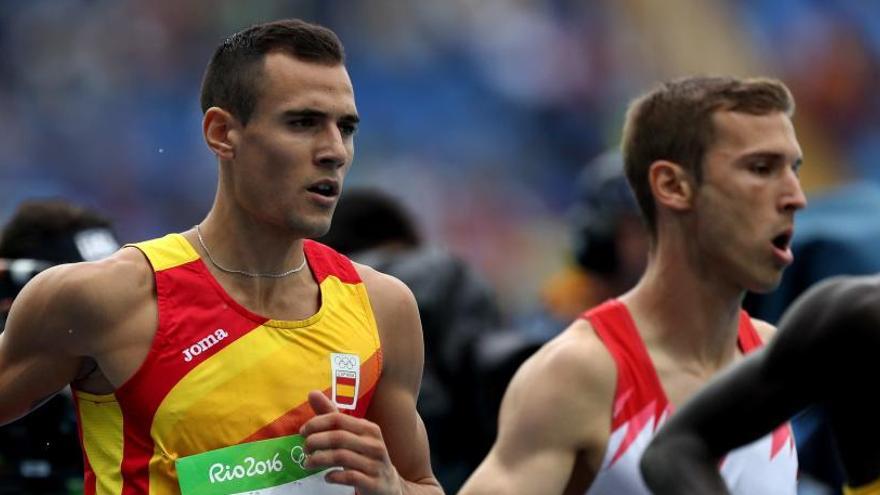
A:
x: 222, y: 131
x: 672, y: 185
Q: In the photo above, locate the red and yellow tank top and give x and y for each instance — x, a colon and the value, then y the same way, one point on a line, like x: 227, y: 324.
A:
x: 218, y: 375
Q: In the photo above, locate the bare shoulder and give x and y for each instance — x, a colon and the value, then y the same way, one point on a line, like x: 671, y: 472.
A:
x: 84, y: 296
x: 400, y: 330
x: 107, y: 287
x: 386, y: 293
x: 575, y: 358
x: 765, y: 330
x: 394, y: 307
x: 565, y: 388
x: 557, y: 409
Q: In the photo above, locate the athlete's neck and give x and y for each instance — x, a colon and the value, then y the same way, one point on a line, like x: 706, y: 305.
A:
x: 684, y: 313
x: 248, y: 246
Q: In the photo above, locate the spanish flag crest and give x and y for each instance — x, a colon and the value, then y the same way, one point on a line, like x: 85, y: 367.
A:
x: 346, y: 371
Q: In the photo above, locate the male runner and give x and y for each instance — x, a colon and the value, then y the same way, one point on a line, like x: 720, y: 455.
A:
x: 825, y: 354
x: 238, y: 332
x: 713, y: 164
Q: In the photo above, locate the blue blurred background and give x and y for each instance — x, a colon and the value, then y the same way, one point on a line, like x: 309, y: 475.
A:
x: 477, y: 114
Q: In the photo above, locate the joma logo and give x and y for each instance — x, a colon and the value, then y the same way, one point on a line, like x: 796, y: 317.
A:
x: 203, y: 345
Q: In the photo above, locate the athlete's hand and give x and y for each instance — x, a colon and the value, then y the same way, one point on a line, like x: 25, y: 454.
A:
x: 334, y: 439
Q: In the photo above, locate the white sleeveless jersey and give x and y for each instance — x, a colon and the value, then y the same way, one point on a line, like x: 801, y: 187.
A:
x: 767, y: 466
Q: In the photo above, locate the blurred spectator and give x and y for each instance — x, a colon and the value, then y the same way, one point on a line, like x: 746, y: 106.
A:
x: 521, y: 94
x: 456, y: 308
x: 609, y: 250
x: 40, y: 454
x: 609, y: 242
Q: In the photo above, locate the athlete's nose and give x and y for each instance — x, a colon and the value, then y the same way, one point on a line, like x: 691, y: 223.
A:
x: 793, y: 197
x: 332, y: 150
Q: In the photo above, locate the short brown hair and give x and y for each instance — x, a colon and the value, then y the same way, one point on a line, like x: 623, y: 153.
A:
x: 232, y: 76
x: 674, y: 122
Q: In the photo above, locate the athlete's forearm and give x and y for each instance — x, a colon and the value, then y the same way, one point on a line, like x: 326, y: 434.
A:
x: 680, y: 464
x: 427, y: 486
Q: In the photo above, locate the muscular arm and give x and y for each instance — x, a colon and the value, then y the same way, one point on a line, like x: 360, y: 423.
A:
x: 393, y: 407
x: 388, y: 452
x: 757, y: 395
x: 39, y: 352
x: 67, y: 319
x: 543, y: 426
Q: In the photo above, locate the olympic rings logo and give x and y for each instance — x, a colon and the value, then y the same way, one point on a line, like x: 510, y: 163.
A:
x: 298, y: 456
x: 346, y: 361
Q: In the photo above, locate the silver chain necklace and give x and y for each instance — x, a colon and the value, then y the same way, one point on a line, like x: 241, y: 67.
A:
x: 242, y: 272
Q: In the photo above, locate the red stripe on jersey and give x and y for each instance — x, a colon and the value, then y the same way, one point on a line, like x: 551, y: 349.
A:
x: 166, y: 364
x: 747, y: 337
x: 324, y: 261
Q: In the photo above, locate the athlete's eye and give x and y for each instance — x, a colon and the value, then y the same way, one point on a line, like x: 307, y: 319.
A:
x: 348, y: 129
x: 302, y: 122
x: 761, y: 167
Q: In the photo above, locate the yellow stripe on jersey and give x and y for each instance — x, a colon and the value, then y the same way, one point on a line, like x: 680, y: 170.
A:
x: 102, y: 427
x: 241, y: 369
x: 173, y: 250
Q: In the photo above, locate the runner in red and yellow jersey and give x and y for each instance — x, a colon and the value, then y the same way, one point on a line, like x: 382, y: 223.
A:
x: 238, y: 357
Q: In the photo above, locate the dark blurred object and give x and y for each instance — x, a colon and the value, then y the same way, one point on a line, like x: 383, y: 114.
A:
x: 457, y: 310
x: 14, y: 274
x: 604, y: 201
x: 40, y: 454
x: 838, y: 234
x: 609, y: 243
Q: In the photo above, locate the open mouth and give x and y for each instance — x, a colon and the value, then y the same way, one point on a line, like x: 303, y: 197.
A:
x: 327, y: 189
x: 782, y: 241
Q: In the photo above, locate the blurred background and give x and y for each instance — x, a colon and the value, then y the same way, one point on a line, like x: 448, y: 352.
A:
x: 477, y: 115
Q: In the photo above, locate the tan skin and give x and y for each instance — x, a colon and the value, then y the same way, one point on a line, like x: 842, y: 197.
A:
x: 714, y: 242
x: 92, y: 324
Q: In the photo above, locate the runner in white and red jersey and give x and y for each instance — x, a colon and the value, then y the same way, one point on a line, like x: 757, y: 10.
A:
x: 824, y: 355
x: 769, y: 465
x: 713, y: 163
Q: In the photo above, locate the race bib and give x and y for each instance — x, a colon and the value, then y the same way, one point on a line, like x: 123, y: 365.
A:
x: 267, y: 467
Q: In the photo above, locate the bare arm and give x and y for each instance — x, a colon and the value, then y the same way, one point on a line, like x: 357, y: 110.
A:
x: 543, y: 426
x: 67, y: 319
x: 757, y: 395
x: 387, y: 452
x: 39, y: 352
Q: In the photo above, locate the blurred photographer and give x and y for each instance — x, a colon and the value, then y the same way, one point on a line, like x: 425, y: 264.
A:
x: 39, y: 454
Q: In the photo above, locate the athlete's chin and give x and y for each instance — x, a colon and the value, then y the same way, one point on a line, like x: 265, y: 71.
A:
x: 767, y: 283
x: 311, y: 228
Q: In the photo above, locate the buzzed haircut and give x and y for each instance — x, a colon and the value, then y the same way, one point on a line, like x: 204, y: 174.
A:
x: 673, y: 122
x: 232, y: 79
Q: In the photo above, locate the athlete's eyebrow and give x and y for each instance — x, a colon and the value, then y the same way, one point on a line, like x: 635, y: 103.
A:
x: 318, y: 114
x: 772, y: 156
